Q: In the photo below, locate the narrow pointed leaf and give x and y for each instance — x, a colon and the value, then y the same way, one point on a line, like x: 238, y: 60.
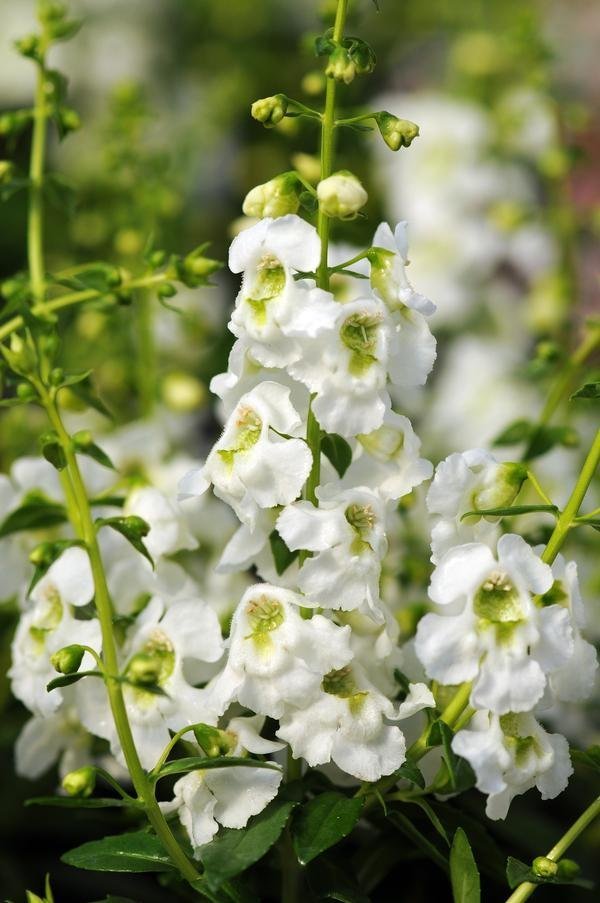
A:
x: 323, y: 822
x: 135, y: 852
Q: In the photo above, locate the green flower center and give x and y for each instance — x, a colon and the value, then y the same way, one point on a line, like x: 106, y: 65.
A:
x: 362, y: 519
x: 341, y: 683
x: 385, y: 443
x: 264, y: 616
x: 268, y: 283
x: 48, y: 619
x: 249, y: 426
x: 521, y: 747
x: 359, y: 335
x: 497, y: 600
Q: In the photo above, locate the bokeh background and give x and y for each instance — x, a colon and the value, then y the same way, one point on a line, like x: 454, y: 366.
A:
x: 502, y: 199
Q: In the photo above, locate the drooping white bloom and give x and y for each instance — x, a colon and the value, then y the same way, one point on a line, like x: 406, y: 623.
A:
x: 510, y: 754
x: 347, y: 534
x: 387, y: 459
x: 348, y: 724
x: 48, y: 625
x: 252, y: 466
x: 494, y: 633
x: 388, y: 275
x: 467, y: 481
x: 272, y: 308
x: 574, y: 681
x: 168, y: 530
x: 50, y: 738
x: 163, y: 639
x: 205, y: 799
x: 275, y: 657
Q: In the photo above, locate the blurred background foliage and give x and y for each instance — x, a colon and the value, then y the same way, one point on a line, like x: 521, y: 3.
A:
x: 166, y: 154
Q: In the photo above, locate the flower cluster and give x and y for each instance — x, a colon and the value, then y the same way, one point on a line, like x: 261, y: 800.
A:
x: 508, y: 623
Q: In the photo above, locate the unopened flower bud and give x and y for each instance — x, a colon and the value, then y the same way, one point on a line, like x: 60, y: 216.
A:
x: 341, y: 66
x: 544, y: 867
x: 213, y: 741
x: 21, y: 356
x: 182, y: 392
x: 396, y: 132
x: 143, y: 670
x: 504, y: 486
x: 29, y: 46
x: 341, y: 195
x: 69, y: 119
x: 82, y: 439
x: 270, y: 110
x: 277, y: 197
x: 80, y: 782
x: 25, y: 391
x: 56, y: 376
x: 195, y: 269
x: 166, y: 290
x: 68, y: 659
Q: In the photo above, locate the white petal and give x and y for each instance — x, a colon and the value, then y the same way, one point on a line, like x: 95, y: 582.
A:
x: 302, y: 526
x: 514, y: 553
x: 460, y: 570
x: 193, y: 484
x: 448, y: 647
x: 71, y: 575
x: 241, y: 792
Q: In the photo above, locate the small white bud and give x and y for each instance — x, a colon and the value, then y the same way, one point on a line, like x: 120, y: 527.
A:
x: 341, y: 195
x: 278, y: 197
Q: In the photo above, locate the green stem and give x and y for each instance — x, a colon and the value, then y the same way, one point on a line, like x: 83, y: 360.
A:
x: 74, y: 298
x: 568, y: 515
x: 563, y: 384
x: 525, y: 890
x: 142, y: 784
x: 35, y: 219
x: 146, y: 363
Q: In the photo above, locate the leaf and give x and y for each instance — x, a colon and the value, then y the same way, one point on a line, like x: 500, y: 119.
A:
x: 85, y: 392
x: 65, y: 680
x: 441, y: 735
x: 405, y: 825
x: 518, y: 872
x: 94, y: 451
x: 235, y: 849
x: 323, y: 822
x: 282, y: 555
x: 517, y: 431
x: 135, y: 852
x: 545, y: 438
x: 328, y: 881
x: 77, y: 802
x: 464, y: 875
x: 52, y: 450
x: 588, y: 390
x: 338, y: 451
x: 424, y: 805
x: 589, y: 757
x: 409, y: 771
x: 133, y: 528
x: 509, y: 512
x: 35, y: 513
x: 203, y: 763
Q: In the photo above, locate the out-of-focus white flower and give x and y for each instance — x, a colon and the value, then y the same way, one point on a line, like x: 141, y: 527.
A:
x: 510, y: 754
x: 168, y: 530
x: 253, y: 466
x: 388, y: 273
x: 275, y: 657
x: 60, y: 737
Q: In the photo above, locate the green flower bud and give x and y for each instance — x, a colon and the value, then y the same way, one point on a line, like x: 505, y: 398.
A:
x: 69, y: 120
x: 56, y: 376
x: 13, y: 123
x: 166, y: 290
x: 341, y: 195
x: 157, y: 259
x: 51, y: 10
x: 544, y: 867
x: 82, y: 440
x: 21, y: 356
x: 396, y: 132
x: 506, y: 485
x: 143, y: 670
x: 213, y: 741
x: 80, y: 782
x: 25, y: 391
x: 568, y: 868
x: 68, y: 659
x: 29, y: 46
x: 341, y: 66
x: 195, y: 269
x: 277, y: 197
x: 270, y: 110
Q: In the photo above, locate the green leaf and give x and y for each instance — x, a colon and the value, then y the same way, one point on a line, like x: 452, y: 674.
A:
x: 464, y: 875
x: 203, y: 763
x: 517, y: 431
x: 511, y: 511
x: 441, y: 735
x: 65, y: 680
x: 409, y: 771
x: 93, y: 451
x: 589, y: 757
x: 78, y: 802
x: 328, y: 881
x: 136, y: 852
x: 545, y: 438
x: 518, y: 872
x: 52, y: 450
x: 405, y: 825
x: 338, y: 451
x: 588, y: 390
x: 35, y: 513
x: 85, y: 392
x: 235, y: 849
x: 133, y: 528
x: 433, y: 818
x: 323, y: 822
x: 282, y: 556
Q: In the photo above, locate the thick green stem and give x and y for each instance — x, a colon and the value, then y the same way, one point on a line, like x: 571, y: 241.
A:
x: 142, y: 784
x: 568, y: 515
x: 35, y: 219
x: 525, y: 890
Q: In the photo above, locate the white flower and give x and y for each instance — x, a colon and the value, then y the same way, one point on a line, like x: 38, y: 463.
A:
x: 168, y: 530
x: 277, y: 197
x: 13, y: 550
x: 574, y: 681
x: 276, y: 657
x: 388, y: 276
x: 466, y: 481
x: 387, y: 459
x: 44, y: 740
x: 204, y: 799
x: 347, y: 533
x: 510, y: 754
x: 272, y: 308
x: 347, y: 725
x: 252, y: 466
x: 494, y: 633
x: 164, y: 640
x: 48, y: 625
x: 341, y: 195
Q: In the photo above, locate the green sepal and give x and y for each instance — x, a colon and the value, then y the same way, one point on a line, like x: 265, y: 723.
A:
x: 65, y: 680
x: 133, y: 528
